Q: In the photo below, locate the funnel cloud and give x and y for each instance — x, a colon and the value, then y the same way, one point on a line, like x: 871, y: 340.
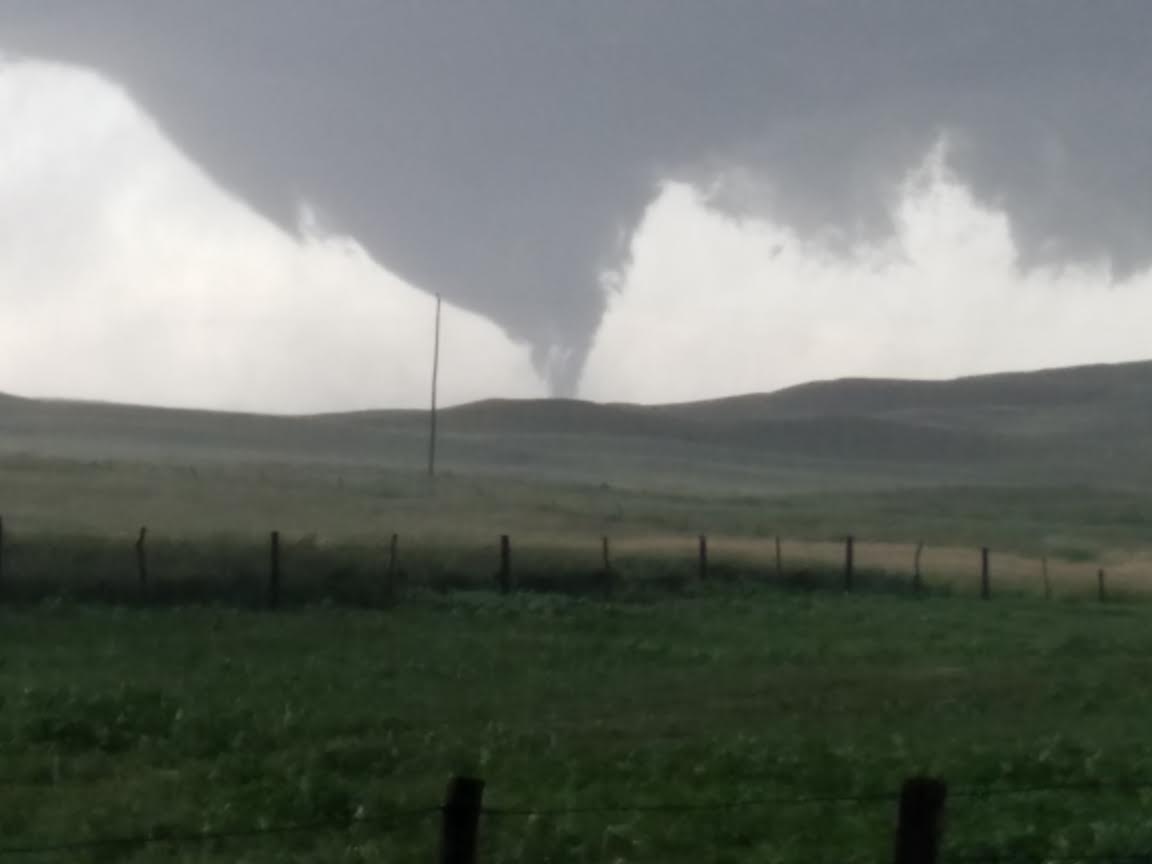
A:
x: 505, y: 153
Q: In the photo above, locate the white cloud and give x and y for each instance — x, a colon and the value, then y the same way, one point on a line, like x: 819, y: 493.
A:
x: 126, y: 275
x: 713, y: 305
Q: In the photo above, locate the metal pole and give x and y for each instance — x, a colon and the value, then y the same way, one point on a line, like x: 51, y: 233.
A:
x: 435, y: 379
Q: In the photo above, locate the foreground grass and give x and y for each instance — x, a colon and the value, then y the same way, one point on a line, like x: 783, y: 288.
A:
x: 121, y: 722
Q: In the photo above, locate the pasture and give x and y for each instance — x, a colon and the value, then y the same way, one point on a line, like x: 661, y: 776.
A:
x: 165, y: 723
x: 70, y: 527
x: 676, y: 720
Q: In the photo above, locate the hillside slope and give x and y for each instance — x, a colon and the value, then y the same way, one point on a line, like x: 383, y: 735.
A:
x: 1087, y: 424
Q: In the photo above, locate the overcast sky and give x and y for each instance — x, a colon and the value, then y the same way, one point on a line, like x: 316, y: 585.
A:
x: 247, y: 205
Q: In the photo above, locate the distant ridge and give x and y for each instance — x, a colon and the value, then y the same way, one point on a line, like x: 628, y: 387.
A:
x: 833, y: 396
x: 1085, y: 420
x: 1064, y: 385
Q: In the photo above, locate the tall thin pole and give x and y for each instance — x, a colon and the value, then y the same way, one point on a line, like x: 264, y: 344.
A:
x: 435, y: 379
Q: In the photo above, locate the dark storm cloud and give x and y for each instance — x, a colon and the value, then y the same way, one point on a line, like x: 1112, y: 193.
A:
x: 501, y: 153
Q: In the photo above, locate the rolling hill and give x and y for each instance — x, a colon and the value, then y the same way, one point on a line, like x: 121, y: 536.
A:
x: 1085, y: 424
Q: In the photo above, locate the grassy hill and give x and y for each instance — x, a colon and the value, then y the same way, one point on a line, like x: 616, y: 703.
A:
x: 143, y: 715
x: 1085, y: 423
x: 1058, y: 458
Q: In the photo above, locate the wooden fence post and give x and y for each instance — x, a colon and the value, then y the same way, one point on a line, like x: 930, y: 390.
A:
x: 606, y: 554
x: 702, y: 551
x: 1100, y: 586
x: 849, y: 561
x: 985, y: 575
x: 1044, y: 573
x: 505, y: 575
x: 393, y: 554
x: 142, y: 558
x: 274, y: 570
x: 917, y: 576
x: 779, y: 562
x: 921, y: 821
x: 460, y: 821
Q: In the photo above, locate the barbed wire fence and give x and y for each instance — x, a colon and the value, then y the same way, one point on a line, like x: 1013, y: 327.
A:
x: 132, y: 574
x: 917, y: 835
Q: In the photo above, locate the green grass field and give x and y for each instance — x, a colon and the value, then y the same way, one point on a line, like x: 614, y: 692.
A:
x: 70, y: 528
x: 194, y: 711
x: 1046, y: 464
x: 126, y: 722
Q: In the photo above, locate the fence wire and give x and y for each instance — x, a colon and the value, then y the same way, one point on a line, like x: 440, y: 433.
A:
x: 385, y: 822
x: 1095, y: 858
x: 388, y: 820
